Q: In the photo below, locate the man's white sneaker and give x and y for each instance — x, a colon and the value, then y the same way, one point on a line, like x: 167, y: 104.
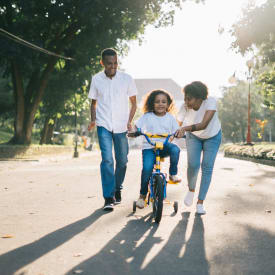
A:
x: 188, y: 200
x: 200, y: 209
x: 140, y: 203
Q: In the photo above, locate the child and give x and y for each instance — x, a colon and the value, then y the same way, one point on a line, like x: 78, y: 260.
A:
x: 157, y: 120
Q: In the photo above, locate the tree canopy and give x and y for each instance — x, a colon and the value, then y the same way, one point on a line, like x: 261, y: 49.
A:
x: 256, y: 27
x: 78, y: 29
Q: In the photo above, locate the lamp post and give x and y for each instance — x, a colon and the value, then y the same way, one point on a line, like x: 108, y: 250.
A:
x: 75, y: 125
x: 249, y: 64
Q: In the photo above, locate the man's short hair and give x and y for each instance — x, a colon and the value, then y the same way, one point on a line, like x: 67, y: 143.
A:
x: 108, y: 52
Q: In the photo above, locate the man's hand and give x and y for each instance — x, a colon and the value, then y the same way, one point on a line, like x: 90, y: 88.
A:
x: 180, y: 132
x: 91, y: 125
x: 129, y: 126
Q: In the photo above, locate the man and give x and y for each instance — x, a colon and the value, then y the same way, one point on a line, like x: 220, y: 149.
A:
x: 110, y: 92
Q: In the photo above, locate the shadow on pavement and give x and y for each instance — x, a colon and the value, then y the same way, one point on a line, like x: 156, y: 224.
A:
x: 127, y: 251
x: 14, y: 260
x: 179, y: 256
x: 265, y: 174
x: 253, y: 254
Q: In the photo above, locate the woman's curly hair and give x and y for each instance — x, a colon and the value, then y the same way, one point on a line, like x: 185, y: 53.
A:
x: 148, y: 105
x: 196, y: 89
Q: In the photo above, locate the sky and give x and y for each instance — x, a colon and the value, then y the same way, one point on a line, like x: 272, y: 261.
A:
x: 191, y: 49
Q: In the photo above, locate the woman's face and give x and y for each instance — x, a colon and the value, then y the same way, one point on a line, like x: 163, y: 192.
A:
x: 192, y: 102
x: 160, y: 105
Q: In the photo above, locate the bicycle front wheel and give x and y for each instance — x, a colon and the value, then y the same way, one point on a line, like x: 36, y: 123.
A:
x: 158, y: 186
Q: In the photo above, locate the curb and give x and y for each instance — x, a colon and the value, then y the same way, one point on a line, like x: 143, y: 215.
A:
x: 261, y: 161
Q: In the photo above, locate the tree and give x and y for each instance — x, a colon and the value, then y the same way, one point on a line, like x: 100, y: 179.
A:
x: 256, y: 27
x: 60, y: 92
x: 266, y: 81
x: 233, y: 112
x: 79, y: 29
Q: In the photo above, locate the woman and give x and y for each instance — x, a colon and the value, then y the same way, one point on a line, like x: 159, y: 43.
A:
x: 203, y: 134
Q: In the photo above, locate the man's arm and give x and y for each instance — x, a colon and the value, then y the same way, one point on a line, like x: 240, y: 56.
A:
x: 93, y: 115
x: 133, y: 100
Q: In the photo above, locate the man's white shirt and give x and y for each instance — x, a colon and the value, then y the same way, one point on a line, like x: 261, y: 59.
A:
x: 112, y: 96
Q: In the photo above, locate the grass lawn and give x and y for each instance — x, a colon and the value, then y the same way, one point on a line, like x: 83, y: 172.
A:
x: 5, y: 136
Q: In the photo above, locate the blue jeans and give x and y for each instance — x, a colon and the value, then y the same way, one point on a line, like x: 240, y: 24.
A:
x: 148, y: 160
x: 112, y: 180
x: 210, y: 148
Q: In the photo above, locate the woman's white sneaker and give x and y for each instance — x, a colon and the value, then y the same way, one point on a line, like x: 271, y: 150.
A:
x: 200, y: 209
x: 188, y: 200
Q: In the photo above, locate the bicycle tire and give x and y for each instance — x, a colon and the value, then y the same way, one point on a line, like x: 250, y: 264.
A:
x: 158, y: 183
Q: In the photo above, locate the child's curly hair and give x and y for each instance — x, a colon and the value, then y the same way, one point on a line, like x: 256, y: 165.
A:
x: 148, y: 105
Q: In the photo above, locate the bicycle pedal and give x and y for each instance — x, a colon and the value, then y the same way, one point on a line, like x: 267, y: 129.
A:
x: 167, y: 202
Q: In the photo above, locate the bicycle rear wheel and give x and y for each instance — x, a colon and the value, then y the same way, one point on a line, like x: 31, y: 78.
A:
x: 158, y: 184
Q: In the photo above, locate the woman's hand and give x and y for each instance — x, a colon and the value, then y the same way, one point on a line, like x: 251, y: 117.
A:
x: 180, y: 132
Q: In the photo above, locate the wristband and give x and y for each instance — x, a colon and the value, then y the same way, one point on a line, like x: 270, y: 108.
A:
x: 193, y: 128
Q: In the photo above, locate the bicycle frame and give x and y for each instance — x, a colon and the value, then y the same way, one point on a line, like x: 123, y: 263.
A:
x: 158, y: 146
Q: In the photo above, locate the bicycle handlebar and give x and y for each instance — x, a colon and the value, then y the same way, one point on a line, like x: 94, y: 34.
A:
x: 149, y: 135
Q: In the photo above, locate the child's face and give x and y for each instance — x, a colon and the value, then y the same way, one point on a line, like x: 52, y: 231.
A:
x: 160, y: 105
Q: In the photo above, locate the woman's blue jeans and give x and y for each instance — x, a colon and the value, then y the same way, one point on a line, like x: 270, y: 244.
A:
x: 210, y: 148
x: 148, y: 160
x: 112, y: 179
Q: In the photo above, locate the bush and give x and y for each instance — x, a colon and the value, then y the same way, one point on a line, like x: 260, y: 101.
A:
x: 258, y: 151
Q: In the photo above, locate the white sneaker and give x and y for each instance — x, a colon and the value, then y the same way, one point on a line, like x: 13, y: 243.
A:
x: 174, y: 178
x: 188, y: 200
x: 200, y: 209
x: 140, y: 203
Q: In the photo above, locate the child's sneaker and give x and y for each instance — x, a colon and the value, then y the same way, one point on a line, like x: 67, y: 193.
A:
x: 188, y: 200
x: 141, y: 201
x: 200, y: 209
x: 174, y: 179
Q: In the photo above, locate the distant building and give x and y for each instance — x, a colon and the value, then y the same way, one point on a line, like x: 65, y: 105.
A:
x: 146, y: 85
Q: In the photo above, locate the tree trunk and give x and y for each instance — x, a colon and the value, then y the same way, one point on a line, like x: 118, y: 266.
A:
x: 25, y: 118
x: 44, y: 131
x: 18, y: 91
x: 37, y: 99
x: 50, y: 134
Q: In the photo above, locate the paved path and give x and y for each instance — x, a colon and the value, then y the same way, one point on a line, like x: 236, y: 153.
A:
x: 52, y: 211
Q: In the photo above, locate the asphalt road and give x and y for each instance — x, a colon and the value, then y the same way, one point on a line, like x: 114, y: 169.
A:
x: 52, y: 222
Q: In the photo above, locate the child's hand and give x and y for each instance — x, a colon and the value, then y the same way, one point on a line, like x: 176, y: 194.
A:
x: 132, y: 132
x: 171, y: 139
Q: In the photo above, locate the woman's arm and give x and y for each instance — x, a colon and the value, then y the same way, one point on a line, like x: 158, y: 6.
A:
x: 199, y: 126
x: 202, y: 125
